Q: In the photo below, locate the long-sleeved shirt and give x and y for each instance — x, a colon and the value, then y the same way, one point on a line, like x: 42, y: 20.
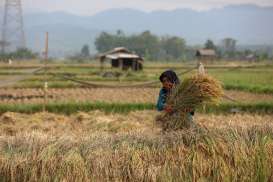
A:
x: 161, y: 102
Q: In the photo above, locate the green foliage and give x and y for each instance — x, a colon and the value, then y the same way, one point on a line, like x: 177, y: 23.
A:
x: 210, y: 45
x: 85, y: 53
x: 175, y: 47
x: 263, y: 56
x: 104, y: 42
x: 266, y: 89
x: 145, y: 44
x: 257, y: 80
x: 74, y: 107
x: 82, y: 57
x: 229, y: 47
x: 22, y: 53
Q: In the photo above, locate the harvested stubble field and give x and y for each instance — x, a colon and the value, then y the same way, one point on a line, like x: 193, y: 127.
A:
x: 96, y: 146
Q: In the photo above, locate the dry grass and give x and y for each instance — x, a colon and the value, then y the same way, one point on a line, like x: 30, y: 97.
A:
x: 97, y: 121
x: 98, y: 147
x: 13, y: 123
x: 140, y: 95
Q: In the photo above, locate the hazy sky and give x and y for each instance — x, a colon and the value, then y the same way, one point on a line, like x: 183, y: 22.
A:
x: 89, y: 7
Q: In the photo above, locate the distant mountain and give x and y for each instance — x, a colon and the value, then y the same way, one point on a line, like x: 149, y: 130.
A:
x: 64, y: 39
x: 249, y: 24
x: 246, y: 23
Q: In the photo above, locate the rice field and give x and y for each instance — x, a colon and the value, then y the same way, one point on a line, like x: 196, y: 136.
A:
x: 110, y: 134
x: 97, y: 147
x: 250, y: 78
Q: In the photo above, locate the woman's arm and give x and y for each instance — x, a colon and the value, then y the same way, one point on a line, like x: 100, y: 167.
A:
x: 161, y: 101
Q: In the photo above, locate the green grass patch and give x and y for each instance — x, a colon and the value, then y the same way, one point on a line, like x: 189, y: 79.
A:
x: 267, y: 89
x: 251, y: 80
x: 73, y: 107
x: 256, y: 79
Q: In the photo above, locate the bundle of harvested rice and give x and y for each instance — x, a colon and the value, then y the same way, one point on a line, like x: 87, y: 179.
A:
x: 194, y: 92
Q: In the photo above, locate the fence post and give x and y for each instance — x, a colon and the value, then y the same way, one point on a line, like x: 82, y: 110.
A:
x: 45, y: 72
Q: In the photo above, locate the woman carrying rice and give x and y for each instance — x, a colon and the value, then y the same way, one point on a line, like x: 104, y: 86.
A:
x: 169, y: 81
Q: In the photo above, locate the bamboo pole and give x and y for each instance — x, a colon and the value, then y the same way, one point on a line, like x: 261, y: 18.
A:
x: 45, y: 72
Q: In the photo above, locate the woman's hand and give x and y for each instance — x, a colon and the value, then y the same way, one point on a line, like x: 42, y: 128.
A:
x: 188, y: 110
x: 168, y: 109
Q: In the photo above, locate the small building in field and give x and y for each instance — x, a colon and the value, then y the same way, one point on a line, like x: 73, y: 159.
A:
x: 122, y: 58
x: 251, y: 58
x: 206, y: 55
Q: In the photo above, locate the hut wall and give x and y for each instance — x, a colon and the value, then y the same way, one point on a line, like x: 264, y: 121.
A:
x: 127, y: 64
x: 115, y: 63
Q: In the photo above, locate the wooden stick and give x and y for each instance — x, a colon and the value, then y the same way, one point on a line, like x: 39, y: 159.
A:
x: 45, y: 72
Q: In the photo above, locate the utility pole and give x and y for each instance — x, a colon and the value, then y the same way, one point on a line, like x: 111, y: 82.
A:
x: 45, y: 72
x: 13, y: 35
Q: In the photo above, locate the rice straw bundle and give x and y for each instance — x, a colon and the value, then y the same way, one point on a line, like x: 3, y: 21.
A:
x: 194, y: 92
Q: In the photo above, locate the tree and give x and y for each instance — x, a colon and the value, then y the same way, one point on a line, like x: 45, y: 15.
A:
x: 85, y: 53
x: 262, y: 56
x: 174, y: 47
x: 210, y: 45
x: 229, y: 47
x: 23, y: 53
x: 104, y: 42
x: 145, y: 44
x: 120, y: 33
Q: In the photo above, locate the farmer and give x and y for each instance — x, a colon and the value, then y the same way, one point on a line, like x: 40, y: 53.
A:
x: 169, y: 81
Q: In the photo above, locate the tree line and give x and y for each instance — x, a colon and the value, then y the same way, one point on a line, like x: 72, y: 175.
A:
x: 153, y: 47
x: 145, y: 44
x: 21, y: 53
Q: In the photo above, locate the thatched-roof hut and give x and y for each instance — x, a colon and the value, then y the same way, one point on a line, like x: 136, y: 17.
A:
x: 122, y: 58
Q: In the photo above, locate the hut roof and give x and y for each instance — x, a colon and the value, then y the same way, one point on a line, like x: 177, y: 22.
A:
x: 115, y: 50
x: 206, y: 52
x: 250, y: 56
x: 120, y: 53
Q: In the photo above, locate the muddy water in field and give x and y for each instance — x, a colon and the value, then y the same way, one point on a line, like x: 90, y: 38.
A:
x: 123, y: 95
